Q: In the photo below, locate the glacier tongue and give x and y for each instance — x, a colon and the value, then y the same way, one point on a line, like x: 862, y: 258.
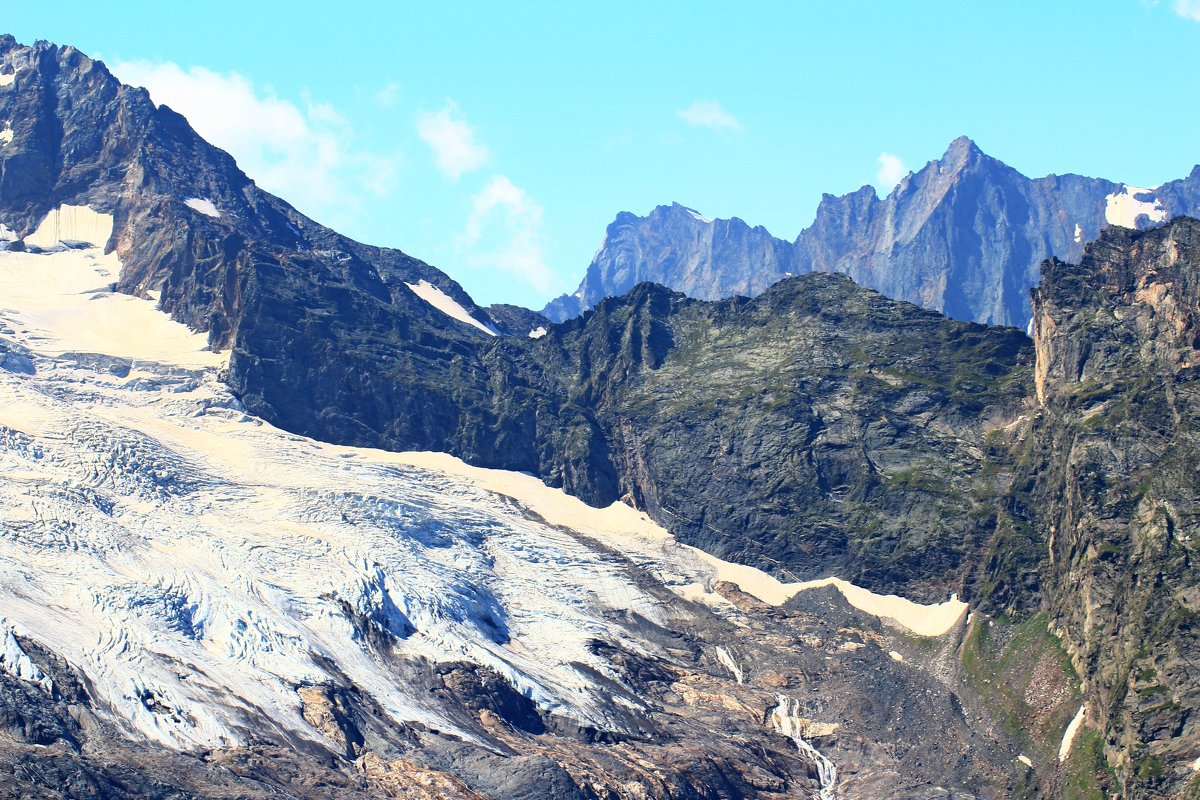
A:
x: 200, y: 565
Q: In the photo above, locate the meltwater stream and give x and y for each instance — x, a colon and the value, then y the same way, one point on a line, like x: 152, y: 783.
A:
x: 785, y: 718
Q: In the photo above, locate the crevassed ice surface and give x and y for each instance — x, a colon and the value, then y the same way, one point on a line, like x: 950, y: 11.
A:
x: 199, y: 564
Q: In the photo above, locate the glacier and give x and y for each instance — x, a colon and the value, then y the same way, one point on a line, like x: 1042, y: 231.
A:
x: 202, y: 567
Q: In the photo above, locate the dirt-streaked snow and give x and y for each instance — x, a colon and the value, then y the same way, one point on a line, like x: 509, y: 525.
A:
x: 446, y: 304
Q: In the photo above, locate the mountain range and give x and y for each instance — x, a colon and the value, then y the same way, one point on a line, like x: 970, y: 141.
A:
x: 965, y: 235
x: 289, y: 515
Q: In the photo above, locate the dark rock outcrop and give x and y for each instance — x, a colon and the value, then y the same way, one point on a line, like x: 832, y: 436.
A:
x: 816, y: 428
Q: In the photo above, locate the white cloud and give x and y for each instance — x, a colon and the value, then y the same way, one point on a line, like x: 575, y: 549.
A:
x: 709, y: 114
x: 1188, y: 9
x: 891, y: 171
x: 504, y: 232
x: 388, y: 96
x: 453, y: 142
x: 304, y: 155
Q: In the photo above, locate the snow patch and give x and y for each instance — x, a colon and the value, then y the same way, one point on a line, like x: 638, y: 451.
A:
x: 1078, y: 233
x: 1128, y: 205
x: 203, y: 206
x: 730, y: 664
x: 1024, y: 759
x: 7, y: 80
x: 72, y: 225
x: 537, y: 332
x: 706, y: 220
x: 447, y: 304
x: 1064, y: 749
x: 63, y: 300
x: 6, y: 134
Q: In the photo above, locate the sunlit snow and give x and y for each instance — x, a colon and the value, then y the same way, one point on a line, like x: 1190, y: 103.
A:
x: 537, y: 332
x: 1123, y: 207
x: 446, y: 304
x: 203, y: 206
x: 1064, y: 748
x: 63, y: 300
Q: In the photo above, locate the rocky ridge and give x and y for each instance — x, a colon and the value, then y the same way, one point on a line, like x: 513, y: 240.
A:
x: 965, y: 235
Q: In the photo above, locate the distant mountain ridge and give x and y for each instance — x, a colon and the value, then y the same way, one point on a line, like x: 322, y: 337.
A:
x: 964, y: 235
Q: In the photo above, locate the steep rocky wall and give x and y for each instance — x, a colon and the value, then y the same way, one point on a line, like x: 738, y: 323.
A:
x: 1115, y: 491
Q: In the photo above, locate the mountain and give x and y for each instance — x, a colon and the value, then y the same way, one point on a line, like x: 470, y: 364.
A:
x: 196, y: 603
x: 284, y: 514
x: 676, y: 247
x: 965, y: 236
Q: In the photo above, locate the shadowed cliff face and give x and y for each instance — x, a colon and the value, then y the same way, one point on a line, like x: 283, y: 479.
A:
x: 817, y: 429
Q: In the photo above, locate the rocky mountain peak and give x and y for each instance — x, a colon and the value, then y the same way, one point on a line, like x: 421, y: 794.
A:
x: 961, y: 152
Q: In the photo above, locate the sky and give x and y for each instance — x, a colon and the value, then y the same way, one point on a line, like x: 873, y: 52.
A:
x: 497, y: 141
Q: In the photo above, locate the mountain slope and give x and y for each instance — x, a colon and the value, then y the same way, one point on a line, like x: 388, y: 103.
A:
x: 158, y: 501
x: 1116, y: 489
x: 965, y: 235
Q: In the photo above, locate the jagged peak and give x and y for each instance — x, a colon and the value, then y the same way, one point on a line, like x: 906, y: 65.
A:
x: 961, y: 146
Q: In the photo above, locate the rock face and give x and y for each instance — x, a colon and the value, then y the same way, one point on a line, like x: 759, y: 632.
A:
x: 816, y: 429
x: 1115, y: 490
x: 676, y: 247
x: 965, y: 236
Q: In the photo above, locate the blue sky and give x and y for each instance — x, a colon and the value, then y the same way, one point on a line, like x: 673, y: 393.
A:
x: 497, y: 141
